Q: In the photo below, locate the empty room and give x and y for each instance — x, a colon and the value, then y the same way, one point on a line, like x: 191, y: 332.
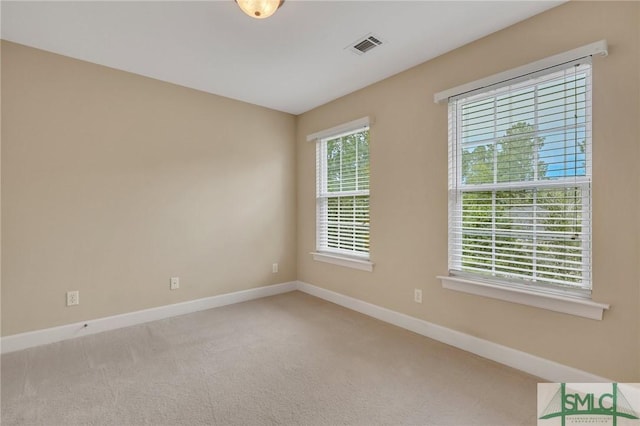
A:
x: 298, y: 212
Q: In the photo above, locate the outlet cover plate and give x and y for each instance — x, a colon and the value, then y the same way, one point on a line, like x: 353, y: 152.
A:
x: 73, y: 298
x: 174, y: 283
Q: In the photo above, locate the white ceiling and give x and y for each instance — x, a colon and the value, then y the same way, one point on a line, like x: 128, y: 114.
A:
x: 294, y: 61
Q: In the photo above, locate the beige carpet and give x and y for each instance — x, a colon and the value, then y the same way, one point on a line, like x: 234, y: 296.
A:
x: 290, y: 359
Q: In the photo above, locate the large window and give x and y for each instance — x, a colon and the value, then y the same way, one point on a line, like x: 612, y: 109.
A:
x: 343, y: 193
x: 520, y: 181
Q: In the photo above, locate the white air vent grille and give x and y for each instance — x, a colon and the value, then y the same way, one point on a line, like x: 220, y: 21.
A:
x: 365, y: 44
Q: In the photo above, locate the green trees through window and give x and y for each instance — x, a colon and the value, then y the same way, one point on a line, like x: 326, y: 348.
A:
x: 520, y: 232
x: 344, y: 210
x: 520, y: 181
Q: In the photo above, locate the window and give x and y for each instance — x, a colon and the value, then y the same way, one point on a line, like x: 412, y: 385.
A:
x: 342, y: 192
x: 520, y: 181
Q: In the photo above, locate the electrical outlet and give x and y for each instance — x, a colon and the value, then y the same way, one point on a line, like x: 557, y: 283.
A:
x: 274, y: 268
x: 417, y: 295
x: 174, y: 283
x: 73, y: 298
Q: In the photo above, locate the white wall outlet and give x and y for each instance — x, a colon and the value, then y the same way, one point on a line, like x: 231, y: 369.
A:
x: 73, y: 298
x: 274, y: 268
x: 417, y: 295
x: 174, y: 283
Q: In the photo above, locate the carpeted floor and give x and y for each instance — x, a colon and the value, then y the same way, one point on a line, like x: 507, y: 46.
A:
x: 289, y: 359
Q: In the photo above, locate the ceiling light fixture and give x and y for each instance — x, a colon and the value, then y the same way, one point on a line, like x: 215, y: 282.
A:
x: 259, y: 9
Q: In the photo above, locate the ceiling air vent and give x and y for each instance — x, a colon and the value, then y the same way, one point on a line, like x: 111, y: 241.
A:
x: 365, y: 44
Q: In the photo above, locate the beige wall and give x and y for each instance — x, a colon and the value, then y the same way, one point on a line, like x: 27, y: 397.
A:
x: 0, y: 189
x: 112, y: 183
x: 409, y: 192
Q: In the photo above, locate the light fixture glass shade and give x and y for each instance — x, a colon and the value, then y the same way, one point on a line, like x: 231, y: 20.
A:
x: 259, y: 9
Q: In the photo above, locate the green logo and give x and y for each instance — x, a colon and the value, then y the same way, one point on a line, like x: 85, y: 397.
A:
x: 566, y: 402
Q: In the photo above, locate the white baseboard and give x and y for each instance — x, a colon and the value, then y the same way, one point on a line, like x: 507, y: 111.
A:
x: 540, y: 367
x: 20, y: 341
x: 534, y: 365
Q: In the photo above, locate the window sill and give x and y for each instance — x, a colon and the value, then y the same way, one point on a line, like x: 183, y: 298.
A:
x: 568, y: 305
x: 349, y: 262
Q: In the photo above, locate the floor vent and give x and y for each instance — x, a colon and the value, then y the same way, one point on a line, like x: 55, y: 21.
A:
x: 365, y: 44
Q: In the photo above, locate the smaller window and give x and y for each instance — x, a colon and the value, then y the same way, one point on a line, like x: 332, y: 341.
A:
x: 342, y: 192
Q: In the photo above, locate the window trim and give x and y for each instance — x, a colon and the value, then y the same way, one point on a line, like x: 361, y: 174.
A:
x: 571, y: 304
x: 553, y: 302
x: 340, y: 129
x: 592, y: 49
x: 351, y: 260
x: 343, y: 260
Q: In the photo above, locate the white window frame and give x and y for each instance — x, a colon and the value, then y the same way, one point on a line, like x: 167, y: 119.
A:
x: 323, y: 253
x: 579, y: 304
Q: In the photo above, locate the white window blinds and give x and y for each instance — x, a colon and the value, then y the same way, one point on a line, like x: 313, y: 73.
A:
x: 520, y: 180
x: 342, y: 196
